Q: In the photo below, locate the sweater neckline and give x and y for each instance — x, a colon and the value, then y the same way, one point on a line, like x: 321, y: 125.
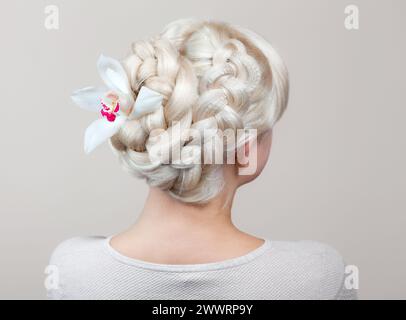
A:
x: 224, y: 264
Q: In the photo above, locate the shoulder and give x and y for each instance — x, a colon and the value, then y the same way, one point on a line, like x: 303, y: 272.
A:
x: 75, y: 246
x: 318, y: 266
x: 317, y: 251
x: 71, y: 261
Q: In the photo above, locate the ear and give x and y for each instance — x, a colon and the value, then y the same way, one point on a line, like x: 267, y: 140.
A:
x: 242, y: 155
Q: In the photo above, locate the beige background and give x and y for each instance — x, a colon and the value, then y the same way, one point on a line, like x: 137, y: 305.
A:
x: 337, y: 168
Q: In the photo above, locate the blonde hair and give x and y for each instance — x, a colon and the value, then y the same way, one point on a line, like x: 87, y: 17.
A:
x: 213, y: 76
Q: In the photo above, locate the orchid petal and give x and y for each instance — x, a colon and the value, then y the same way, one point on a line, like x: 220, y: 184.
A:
x: 101, y: 130
x: 113, y: 74
x: 88, y: 98
x: 147, y: 102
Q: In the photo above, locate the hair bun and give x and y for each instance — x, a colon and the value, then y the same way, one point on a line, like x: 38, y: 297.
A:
x: 212, y: 76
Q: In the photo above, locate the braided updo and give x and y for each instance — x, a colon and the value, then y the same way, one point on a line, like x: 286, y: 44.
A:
x: 212, y: 76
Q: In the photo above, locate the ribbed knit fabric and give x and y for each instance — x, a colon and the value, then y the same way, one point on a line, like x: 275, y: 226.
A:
x: 89, y: 268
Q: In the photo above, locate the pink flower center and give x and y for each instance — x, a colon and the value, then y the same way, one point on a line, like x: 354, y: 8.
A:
x: 110, y: 106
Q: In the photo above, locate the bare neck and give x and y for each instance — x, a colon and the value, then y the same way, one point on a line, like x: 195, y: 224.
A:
x: 169, y: 216
x: 169, y: 231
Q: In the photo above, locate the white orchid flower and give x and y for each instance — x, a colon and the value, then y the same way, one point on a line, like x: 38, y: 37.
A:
x: 115, y: 102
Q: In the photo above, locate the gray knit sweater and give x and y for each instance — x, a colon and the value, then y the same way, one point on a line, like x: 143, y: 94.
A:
x: 89, y: 268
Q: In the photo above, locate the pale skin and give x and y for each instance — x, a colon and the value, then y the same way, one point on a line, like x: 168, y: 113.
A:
x: 168, y: 231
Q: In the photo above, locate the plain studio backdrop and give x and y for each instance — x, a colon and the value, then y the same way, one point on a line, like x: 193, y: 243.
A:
x: 336, y: 172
